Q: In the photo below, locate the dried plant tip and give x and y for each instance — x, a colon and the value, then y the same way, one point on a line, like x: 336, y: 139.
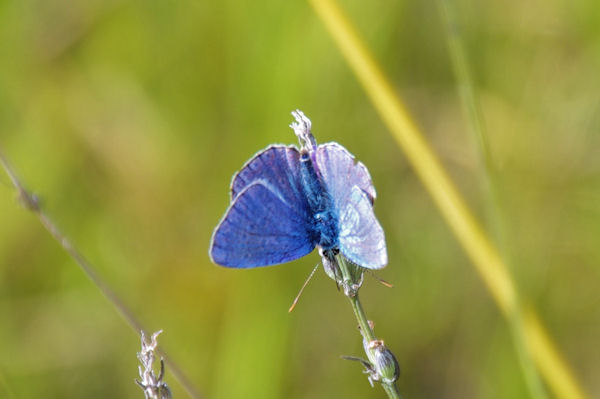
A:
x: 153, y: 385
x: 302, y: 129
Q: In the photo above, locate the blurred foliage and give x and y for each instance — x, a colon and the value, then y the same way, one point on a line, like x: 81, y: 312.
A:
x: 128, y: 118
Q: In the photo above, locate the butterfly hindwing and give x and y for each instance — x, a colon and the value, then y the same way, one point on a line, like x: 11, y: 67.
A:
x: 349, y: 184
x: 260, y: 229
x: 340, y: 172
x: 361, y: 237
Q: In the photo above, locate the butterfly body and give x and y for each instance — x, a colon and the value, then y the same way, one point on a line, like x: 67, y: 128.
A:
x: 285, y: 202
x: 324, y: 218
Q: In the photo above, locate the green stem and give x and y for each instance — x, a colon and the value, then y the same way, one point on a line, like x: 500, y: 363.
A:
x: 363, y: 322
x: 359, y: 312
x: 392, y: 391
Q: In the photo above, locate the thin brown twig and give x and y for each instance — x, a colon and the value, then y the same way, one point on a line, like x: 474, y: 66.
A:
x: 31, y: 203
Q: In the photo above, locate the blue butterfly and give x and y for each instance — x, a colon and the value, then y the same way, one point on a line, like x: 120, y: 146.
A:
x: 285, y: 202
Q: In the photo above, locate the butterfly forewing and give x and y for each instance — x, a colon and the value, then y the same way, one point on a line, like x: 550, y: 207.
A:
x: 260, y: 229
x: 277, y: 166
x: 268, y: 218
x: 361, y: 237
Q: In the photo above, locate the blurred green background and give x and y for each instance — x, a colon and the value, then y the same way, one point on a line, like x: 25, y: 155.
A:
x: 128, y: 119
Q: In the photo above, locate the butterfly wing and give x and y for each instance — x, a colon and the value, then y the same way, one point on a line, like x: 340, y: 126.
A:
x: 267, y: 222
x: 349, y: 184
x: 277, y: 166
x: 361, y: 237
x: 260, y: 229
x: 340, y: 171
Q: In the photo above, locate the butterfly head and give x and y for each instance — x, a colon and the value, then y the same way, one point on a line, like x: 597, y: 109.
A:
x: 302, y: 128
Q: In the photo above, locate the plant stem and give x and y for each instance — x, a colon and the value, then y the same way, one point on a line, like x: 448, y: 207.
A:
x: 365, y: 329
x: 392, y: 391
x: 359, y: 312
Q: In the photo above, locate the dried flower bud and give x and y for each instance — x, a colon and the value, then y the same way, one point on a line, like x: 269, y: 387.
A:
x: 384, y: 362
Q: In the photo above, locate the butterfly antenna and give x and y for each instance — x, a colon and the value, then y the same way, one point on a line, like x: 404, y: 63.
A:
x: 382, y: 281
x: 302, y: 129
x: 302, y: 289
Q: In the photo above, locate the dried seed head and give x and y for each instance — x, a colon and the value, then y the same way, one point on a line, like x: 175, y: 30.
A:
x: 153, y: 385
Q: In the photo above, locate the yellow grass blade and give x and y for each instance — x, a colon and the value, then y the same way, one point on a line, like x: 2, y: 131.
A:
x: 484, y: 255
x: 549, y: 361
